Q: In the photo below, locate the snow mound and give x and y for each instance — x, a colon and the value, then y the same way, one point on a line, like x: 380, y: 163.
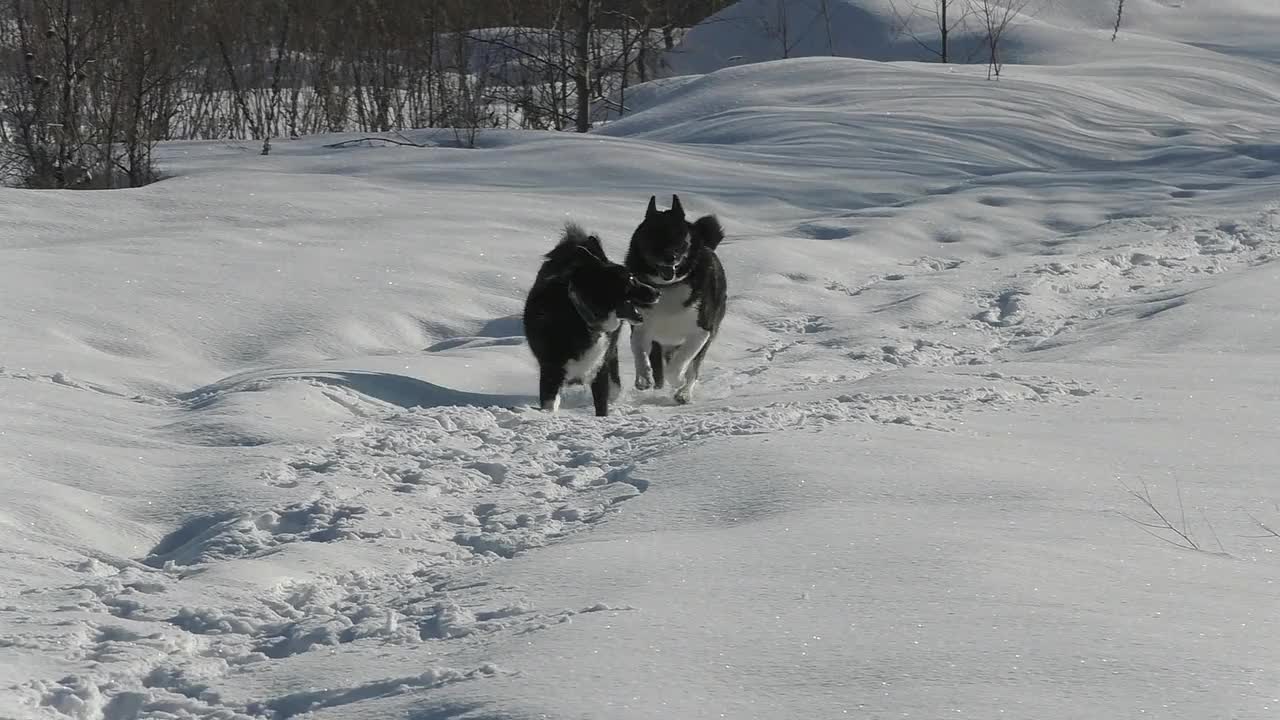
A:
x: 752, y: 31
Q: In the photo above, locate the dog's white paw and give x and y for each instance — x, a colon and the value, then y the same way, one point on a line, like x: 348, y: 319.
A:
x: 644, y: 382
x: 615, y: 390
x: 684, y: 395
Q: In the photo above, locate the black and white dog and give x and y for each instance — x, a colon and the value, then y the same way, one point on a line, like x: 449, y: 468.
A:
x: 573, y: 316
x: 678, y: 257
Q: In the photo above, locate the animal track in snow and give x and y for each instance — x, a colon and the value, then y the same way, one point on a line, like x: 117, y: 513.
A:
x: 935, y: 264
x: 485, y: 484
x: 922, y: 353
x: 773, y: 348
x: 1045, y: 300
x: 839, y: 287
x: 804, y: 325
x: 320, y: 520
x: 822, y: 231
x: 1006, y: 309
x: 64, y: 380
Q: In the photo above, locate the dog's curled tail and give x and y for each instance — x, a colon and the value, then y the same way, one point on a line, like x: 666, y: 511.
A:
x: 708, y: 231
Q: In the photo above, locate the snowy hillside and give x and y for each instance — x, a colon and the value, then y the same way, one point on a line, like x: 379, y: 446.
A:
x: 989, y: 431
x: 1049, y: 32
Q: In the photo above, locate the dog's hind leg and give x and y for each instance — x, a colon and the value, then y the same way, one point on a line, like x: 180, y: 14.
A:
x: 639, y: 349
x: 657, y: 359
x: 549, y: 382
x: 682, y: 359
x: 600, y: 388
x: 611, y: 365
x: 684, y: 395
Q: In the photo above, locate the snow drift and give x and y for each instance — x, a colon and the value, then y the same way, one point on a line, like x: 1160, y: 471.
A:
x: 908, y: 30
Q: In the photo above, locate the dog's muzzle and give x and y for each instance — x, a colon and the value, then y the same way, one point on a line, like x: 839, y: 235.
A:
x: 639, y: 295
x: 630, y: 313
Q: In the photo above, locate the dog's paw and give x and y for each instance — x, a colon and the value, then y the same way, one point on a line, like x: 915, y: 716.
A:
x: 643, y: 382
x: 677, y: 380
x: 684, y: 395
x: 615, y: 391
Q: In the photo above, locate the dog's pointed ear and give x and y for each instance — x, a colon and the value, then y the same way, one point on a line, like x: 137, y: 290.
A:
x: 653, y: 207
x: 675, y: 205
x: 595, y: 247
x: 590, y: 252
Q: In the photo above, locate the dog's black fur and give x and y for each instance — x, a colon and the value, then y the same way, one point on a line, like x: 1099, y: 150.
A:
x: 573, y: 316
x: 678, y: 257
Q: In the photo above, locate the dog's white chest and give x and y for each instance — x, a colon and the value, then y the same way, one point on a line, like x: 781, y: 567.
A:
x: 670, y: 321
x: 584, y: 367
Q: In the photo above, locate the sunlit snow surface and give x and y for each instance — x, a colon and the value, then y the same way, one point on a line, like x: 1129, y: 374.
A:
x: 266, y: 448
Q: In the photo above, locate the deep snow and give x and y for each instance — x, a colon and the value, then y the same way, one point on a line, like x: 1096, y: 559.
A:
x: 266, y: 450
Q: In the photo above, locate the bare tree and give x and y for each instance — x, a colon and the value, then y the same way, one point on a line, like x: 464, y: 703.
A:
x: 996, y: 17
x: 585, y: 25
x: 271, y: 109
x: 779, y: 28
x: 47, y: 100
x: 142, y: 82
x: 825, y: 7
x: 947, y: 15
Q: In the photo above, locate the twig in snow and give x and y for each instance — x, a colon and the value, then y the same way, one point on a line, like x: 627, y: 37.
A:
x: 1161, y: 525
x: 406, y: 142
x: 1268, y: 531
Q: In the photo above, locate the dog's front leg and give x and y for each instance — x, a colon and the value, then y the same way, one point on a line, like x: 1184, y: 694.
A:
x: 640, y: 344
x: 549, y: 382
x: 684, y: 395
x: 681, y: 358
x: 658, y: 362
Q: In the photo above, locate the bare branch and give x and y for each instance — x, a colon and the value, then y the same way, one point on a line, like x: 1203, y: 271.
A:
x: 1209, y: 525
x: 393, y: 141
x: 1269, y: 532
x: 1161, y: 523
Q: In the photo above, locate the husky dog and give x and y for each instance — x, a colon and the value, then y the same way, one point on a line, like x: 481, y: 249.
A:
x: 678, y: 257
x: 573, y: 316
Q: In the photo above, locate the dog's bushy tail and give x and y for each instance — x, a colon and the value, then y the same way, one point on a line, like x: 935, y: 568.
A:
x: 708, y: 231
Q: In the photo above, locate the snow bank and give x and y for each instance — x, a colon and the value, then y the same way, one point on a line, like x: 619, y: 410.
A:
x: 908, y: 30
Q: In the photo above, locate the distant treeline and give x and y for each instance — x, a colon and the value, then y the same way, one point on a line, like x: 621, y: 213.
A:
x: 87, y: 87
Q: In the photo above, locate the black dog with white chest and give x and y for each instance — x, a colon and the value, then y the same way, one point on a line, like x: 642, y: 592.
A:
x: 678, y: 257
x: 574, y: 314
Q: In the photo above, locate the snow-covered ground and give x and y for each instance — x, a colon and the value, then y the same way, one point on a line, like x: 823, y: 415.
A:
x: 1054, y: 32
x: 266, y: 449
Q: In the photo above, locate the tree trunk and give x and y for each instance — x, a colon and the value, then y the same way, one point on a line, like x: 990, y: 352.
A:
x: 946, y: 30
x: 582, y: 63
